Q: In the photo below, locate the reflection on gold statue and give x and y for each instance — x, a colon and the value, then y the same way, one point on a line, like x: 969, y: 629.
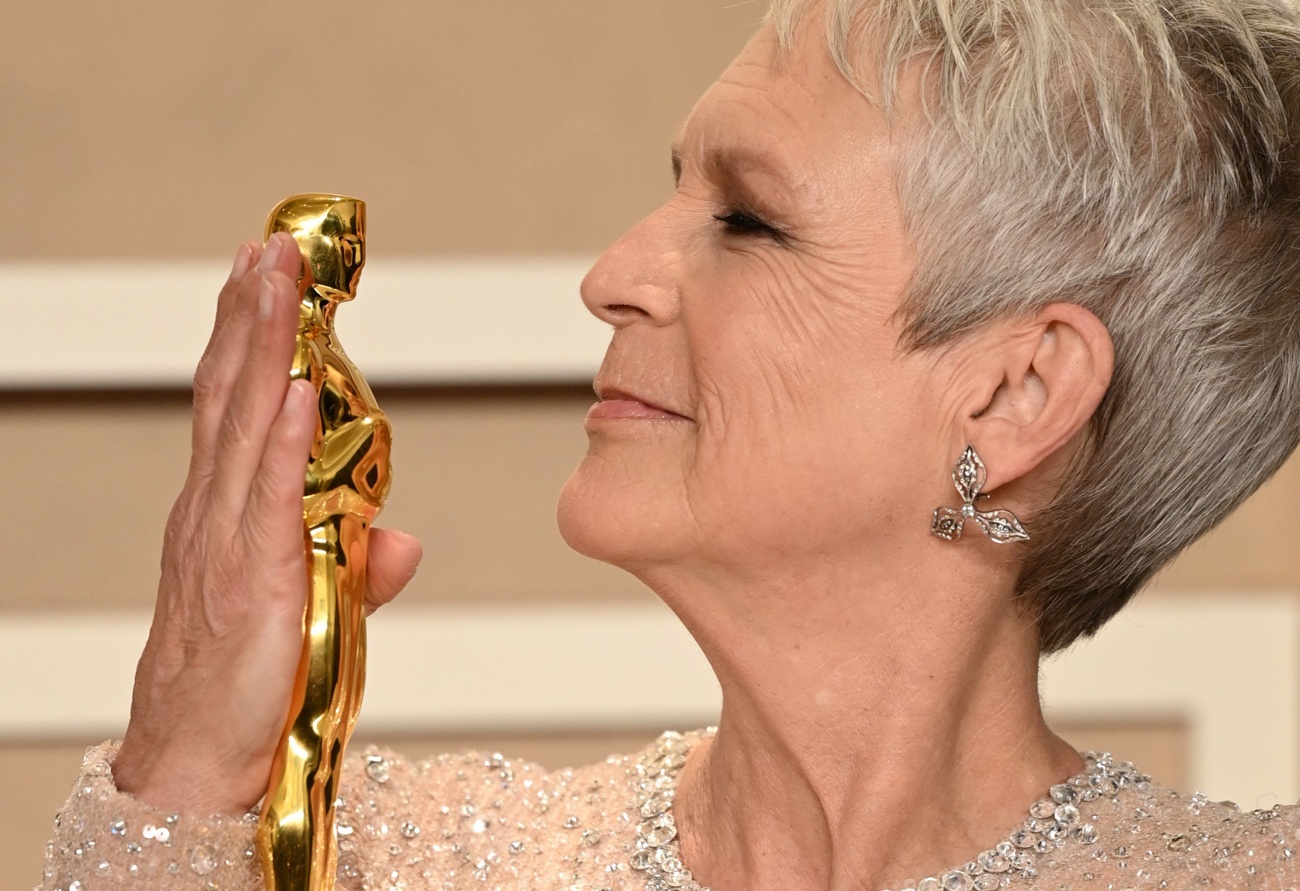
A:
x: 347, y: 480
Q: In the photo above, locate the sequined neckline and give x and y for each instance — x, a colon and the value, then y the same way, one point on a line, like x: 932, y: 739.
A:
x: 1053, y: 821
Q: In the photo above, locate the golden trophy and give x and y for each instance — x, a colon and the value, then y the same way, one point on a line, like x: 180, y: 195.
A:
x: 346, y: 482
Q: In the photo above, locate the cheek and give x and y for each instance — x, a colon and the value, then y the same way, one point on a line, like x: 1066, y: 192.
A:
x: 814, y: 477
x: 804, y: 440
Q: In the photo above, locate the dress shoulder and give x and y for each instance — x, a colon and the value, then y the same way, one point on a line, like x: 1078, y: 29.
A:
x: 1154, y: 837
x: 1233, y: 848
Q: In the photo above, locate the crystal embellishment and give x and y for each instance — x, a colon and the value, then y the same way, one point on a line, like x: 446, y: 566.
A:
x: 1052, y: 822
x: 203, y: 860
x: 377, y: 768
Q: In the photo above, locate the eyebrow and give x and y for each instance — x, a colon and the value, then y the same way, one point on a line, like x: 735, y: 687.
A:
x: 725, y: 165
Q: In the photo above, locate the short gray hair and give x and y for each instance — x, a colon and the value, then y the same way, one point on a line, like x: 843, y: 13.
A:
x: 1138, y: 158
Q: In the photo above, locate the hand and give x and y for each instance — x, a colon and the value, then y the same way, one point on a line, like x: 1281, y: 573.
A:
x: 212, y: 688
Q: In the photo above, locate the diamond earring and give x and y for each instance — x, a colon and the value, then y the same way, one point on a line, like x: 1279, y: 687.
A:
x: 969, y: 476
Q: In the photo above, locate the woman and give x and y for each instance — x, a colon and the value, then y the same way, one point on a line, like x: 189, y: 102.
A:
x: 906, y: 236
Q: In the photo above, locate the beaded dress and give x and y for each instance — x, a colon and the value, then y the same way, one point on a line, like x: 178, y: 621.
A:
x: 479, y: 821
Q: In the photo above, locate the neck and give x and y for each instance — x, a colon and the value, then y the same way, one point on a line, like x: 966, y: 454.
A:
x: 861, y: 747
x: 316, y: 312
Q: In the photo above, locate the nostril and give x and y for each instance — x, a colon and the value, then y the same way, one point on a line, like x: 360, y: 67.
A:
x: 624, y: 310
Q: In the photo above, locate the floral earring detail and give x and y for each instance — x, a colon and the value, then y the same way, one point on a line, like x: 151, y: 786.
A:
x: 969, y: 476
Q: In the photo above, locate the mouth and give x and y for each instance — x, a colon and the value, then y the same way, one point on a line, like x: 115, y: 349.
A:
x: 621, y: 405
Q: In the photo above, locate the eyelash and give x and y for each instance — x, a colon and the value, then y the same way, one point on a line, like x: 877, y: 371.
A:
x: 739, y: 222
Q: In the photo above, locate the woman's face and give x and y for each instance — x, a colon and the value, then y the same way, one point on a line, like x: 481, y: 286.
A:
x: 757, y: 408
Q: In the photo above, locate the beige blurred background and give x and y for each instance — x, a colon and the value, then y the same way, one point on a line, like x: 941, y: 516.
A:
x: 163, y: 132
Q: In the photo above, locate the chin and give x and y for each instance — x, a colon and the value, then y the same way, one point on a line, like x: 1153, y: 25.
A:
x: 606, y: 516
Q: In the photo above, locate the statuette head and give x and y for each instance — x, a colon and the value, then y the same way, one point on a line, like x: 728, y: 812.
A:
x: 330, y: 231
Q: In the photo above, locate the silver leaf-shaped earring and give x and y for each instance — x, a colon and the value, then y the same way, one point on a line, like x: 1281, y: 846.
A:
x: 969, y: 476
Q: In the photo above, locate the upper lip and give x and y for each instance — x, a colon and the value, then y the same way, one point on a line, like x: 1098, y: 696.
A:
x: 605, y: 392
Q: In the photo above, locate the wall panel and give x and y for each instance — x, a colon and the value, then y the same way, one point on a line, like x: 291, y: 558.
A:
x: 489, y: 127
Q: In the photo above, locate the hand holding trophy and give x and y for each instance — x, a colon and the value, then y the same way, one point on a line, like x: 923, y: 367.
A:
x: 227, y: 658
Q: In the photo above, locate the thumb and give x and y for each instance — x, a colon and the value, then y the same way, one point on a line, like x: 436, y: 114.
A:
x: 393, y: 559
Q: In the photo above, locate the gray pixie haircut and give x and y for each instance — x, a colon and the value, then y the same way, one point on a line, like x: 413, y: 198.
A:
x: 1135, y: 157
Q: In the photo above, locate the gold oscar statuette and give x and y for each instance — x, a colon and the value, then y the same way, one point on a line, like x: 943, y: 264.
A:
x: 346, y: 482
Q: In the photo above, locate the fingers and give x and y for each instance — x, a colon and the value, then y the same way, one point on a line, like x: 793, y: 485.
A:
x: 209, y: 393
x: 273, y: 519
x: 246, y: 255
x: 237, y: 317
x: 256, y: 397
x: 394, y: 556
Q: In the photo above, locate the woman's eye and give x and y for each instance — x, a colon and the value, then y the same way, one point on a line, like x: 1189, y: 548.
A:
x: 737, y: 222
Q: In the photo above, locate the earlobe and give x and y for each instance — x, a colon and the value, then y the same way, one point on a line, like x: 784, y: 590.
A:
x: 1055, y: 369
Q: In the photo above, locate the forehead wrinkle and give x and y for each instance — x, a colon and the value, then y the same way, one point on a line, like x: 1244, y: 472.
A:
x: 789, y: 139
x: 753, y: 86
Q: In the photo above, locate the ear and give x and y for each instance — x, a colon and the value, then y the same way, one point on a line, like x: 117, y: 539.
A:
x: 1054, y: 368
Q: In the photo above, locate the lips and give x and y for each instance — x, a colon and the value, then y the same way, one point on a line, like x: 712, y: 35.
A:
x: 618, y: 404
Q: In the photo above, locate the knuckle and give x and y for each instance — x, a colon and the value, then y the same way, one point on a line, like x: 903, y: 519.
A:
x: 176, y: 533
x: 228, y: 290
x: 172, y: 538
x: 207, y: 385
x: 236, y: 429
x: 264, y: 530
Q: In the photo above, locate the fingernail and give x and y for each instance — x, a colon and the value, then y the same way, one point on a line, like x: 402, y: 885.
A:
x: 419, y: 556
x: 243, y: 258
x: 270, y: 255
x: 266, y: 300
x: 299, y: 398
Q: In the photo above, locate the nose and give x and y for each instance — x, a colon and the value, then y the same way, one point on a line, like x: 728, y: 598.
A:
x: 638, y: 278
